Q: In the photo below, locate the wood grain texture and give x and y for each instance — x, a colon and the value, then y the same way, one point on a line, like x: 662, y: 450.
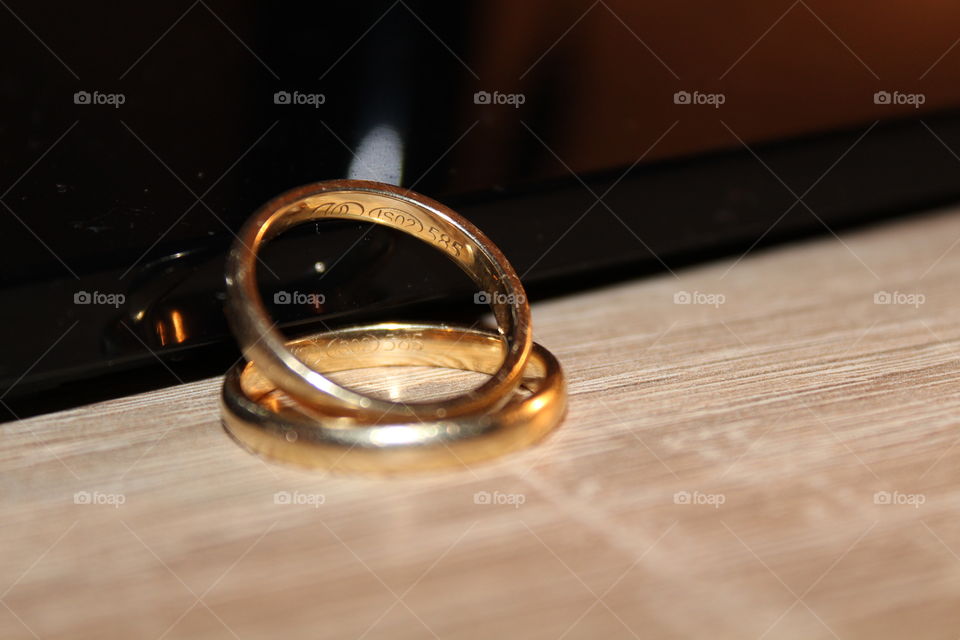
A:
x: 781, y: 413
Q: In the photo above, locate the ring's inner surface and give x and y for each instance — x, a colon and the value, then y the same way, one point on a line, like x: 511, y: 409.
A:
x: 408, y: 217
x: 460, y: 357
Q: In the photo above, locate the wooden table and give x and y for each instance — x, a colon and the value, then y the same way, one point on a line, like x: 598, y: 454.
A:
x: 781, y: 465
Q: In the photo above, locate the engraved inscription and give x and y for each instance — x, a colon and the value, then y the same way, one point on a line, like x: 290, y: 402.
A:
x: 395, y: 217
x: 339, y: 209
x: 446, y: 242
x: 339, y: 347
x: 398, y: 218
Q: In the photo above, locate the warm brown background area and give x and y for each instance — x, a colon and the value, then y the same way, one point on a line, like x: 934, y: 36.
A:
x: 785, y: 67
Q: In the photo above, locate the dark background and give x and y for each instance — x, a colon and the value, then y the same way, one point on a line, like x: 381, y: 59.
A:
x: 599, y: 175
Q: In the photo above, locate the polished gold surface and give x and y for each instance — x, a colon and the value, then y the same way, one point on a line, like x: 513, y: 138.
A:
x: 270, y: 423
x: 406, y: 211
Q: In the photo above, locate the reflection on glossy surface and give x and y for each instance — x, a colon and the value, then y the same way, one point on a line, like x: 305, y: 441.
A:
x: 171, y: 330
x: 379, y: 156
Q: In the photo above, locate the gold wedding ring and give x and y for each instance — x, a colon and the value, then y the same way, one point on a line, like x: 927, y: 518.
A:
x: 400, y: 209
x: 263, y: 419
x: 281, y: 405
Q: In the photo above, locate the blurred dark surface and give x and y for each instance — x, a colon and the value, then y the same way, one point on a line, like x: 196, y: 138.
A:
x: 600, y: 174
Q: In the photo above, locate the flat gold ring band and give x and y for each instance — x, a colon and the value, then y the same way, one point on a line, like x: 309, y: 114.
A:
x: 266, y: 421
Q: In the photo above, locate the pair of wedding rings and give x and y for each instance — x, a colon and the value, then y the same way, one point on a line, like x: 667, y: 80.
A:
x: 279, y: 404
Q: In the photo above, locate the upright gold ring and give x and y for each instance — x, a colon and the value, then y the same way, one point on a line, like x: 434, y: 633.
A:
x: 263, y: 419
x: 406, y: 211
